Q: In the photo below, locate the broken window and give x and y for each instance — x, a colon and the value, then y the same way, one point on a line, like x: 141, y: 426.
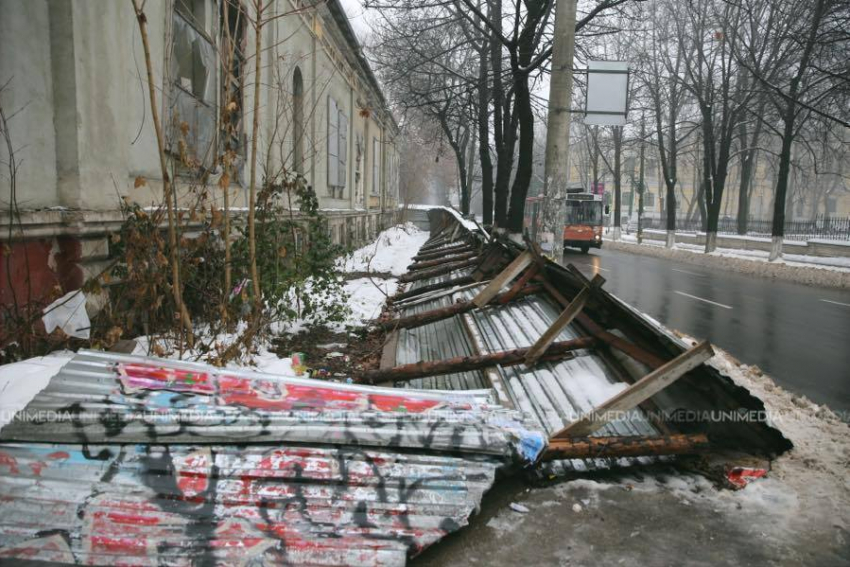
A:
x: 233, y: 35
x: 193, y: 81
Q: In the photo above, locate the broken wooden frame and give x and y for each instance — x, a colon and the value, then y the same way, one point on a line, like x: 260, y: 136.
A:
x: 641, y: 390
x: 424, y: 369
x: 618, y: 447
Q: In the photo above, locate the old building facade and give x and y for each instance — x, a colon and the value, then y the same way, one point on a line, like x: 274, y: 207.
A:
x: 76, y: 100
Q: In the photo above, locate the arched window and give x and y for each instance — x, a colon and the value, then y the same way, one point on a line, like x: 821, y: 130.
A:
x: 298, y: 121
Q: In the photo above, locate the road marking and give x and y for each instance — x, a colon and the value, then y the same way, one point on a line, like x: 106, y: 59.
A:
x: 701, y: 299
x: 836, y: 302
x: 686, y: 272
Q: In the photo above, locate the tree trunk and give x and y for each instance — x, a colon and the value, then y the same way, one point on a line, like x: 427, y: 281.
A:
x: 789, y: 118
x: 502, y: 123
x: 167, y: 187
x: 470, y: 169
x: 525, y: 159
x: 484, y: 139
x: 255, y: 131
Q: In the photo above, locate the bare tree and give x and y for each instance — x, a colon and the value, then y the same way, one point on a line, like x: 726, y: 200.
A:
x: 805, y: 75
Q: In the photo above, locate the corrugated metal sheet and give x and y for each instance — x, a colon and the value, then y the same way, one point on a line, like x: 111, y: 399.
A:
x: 241, y: 468
x: 554, y: 393
x: 441, y: 278
x: 441, y: 340
x: 105, y: 397
x: 230, y: 505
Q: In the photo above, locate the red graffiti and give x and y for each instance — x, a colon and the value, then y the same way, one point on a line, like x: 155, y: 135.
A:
x: 10, y: 462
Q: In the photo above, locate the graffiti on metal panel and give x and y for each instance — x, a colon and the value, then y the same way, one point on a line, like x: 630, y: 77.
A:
x: 272, y: 394
x: 183, y: 505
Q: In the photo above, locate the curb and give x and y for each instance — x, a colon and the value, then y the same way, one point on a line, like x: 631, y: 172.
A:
x: 812, y: 276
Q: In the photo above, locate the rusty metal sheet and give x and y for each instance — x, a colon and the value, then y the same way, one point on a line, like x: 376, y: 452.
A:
x: 106, y: 397
x: 248, y: 505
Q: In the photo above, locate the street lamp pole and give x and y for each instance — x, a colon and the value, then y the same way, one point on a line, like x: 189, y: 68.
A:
x: 558, y: 124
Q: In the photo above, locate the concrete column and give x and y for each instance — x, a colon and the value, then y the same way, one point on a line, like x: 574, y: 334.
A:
x: 63, y: 72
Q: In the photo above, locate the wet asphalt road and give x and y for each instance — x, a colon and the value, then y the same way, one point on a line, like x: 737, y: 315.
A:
x: 798, y: 334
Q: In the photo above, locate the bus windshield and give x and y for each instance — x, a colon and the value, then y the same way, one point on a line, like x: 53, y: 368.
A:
x: 584, y: 212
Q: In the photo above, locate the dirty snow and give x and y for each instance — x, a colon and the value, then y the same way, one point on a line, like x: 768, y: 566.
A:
x: 798, y: 515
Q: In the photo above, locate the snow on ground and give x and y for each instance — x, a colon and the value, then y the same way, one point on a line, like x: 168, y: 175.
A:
x: 841, y: 264
x: 391, y: 252
x: 745, y: 261
x: 798, y: 515
x: 367, y: 297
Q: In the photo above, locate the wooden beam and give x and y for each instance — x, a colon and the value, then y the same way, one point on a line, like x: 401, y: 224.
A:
x: 466, y: 363
x: 610, y: 339
x: 465, y: 247
x: 529, y: 273
x: 520, y: 263
x: 441, y: 313
x: 564, y: 319
x: 463, y: 280
x: 438, y: 271
x: 616, y: 447
x: 641, y: 390
x: 438, y: 261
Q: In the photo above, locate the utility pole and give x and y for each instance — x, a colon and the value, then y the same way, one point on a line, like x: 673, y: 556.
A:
x: 558, y: 124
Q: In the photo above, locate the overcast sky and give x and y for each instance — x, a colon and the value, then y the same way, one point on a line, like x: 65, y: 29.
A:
x: 357, y: 15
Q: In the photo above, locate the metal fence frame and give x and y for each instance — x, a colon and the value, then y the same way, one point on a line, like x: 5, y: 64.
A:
x: 834, y: 228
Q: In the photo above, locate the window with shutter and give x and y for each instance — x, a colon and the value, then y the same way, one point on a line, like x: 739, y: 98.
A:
x: 376, y: 159
x: 343, y: 149
x: 333, y: 145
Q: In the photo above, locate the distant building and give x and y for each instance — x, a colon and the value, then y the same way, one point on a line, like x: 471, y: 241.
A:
x: 75, y: 77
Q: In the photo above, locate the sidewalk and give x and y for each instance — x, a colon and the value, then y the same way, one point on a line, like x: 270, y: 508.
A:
x: 810, y: 270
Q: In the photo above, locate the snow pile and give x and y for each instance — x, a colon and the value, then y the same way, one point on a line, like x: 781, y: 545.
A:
x: 366, y: 298
x: 392, y: 252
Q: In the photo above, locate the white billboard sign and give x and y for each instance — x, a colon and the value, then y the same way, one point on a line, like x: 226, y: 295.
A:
x: 607, y: 93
